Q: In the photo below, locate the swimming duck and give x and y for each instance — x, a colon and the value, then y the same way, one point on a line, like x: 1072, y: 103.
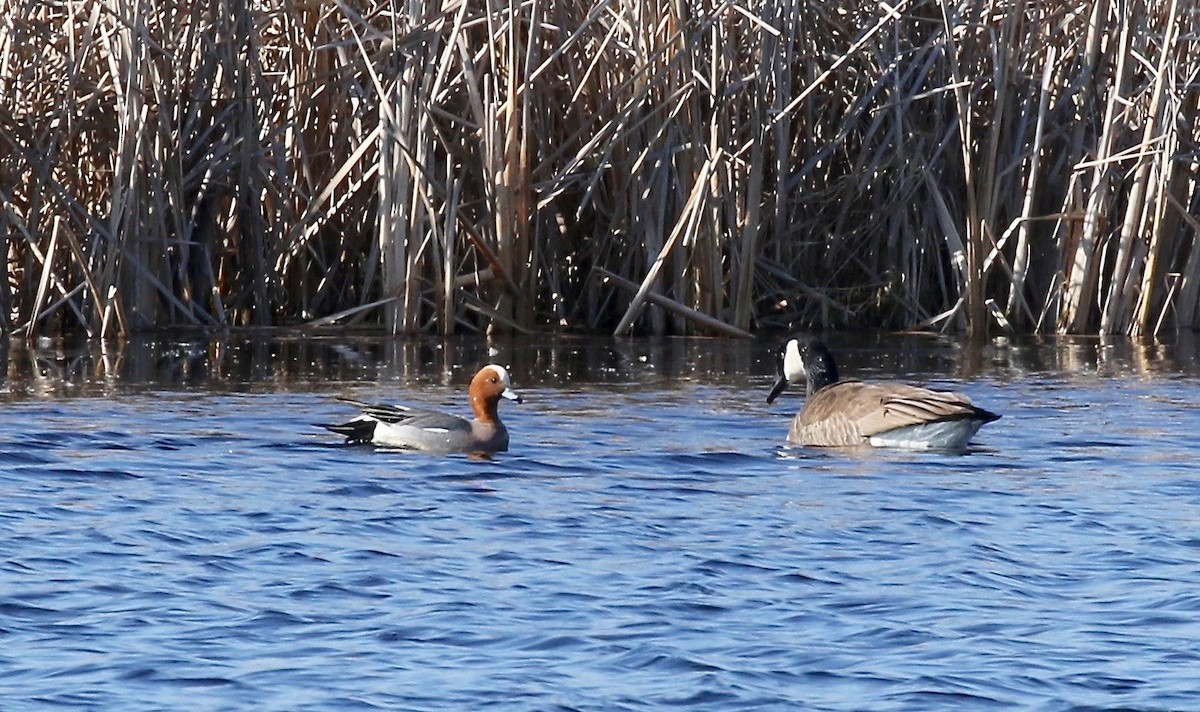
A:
x: 843, y: 413
x: 432, y: 431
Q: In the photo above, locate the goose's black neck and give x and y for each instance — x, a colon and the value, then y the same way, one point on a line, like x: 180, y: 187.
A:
x: 820, y: 367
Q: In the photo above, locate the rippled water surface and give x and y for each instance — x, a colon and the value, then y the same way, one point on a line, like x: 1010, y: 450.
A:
x: 176, y: 534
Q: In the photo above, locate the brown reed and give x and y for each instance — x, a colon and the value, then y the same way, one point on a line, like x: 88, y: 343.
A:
x: 975, y: 165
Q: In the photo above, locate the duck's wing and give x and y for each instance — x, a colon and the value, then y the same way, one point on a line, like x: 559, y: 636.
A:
x: 379, y: 419
x: 387, y: 412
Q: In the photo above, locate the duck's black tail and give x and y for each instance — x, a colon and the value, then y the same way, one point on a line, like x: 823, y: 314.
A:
x: 359, y: 430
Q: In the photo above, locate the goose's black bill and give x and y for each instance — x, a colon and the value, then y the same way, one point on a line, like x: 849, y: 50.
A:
x: 779, y: 387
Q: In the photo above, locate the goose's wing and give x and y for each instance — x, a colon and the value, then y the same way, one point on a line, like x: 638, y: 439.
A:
x: 873, y: 408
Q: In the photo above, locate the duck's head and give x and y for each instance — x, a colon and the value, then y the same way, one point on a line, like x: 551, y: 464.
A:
x: 487, y: 388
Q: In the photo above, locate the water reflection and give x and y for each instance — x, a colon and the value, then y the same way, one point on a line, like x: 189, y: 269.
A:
x: 279, y: 361
x: 678, y: 547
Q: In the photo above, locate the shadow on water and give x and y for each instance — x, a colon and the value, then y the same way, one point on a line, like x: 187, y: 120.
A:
x: 284, y: 361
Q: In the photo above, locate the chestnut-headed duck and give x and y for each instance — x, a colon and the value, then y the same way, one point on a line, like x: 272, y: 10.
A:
x: 845, y: 413
x: 435, y: 432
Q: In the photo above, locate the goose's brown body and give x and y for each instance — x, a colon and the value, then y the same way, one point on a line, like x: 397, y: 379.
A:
x: 852, y: 412
x: 884, y: 414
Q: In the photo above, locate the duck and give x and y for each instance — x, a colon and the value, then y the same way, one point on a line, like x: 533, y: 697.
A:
x: 843, y: 413
x: 431, y: 431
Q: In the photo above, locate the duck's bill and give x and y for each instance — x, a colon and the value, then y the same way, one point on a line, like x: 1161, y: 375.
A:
x: 778, y: 388
x: 511, y: 395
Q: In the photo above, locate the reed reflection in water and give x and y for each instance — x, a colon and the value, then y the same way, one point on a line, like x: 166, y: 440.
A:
x: 284, y: 360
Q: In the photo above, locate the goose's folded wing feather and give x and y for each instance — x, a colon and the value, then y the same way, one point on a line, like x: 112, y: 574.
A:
x: 878, y: 407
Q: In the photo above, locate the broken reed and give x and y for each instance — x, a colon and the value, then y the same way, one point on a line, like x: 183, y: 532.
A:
x: 611, y: 164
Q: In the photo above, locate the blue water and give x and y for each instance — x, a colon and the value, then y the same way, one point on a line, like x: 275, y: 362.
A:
x: 175, y: 534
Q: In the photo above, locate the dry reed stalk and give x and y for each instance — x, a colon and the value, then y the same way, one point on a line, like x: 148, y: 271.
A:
x: 1188, y: 299
x: 769, y: 163
x: 1082, y: 267
x: 449, y: 239
x: 964, y: 250
x: 686, y: 220
x: 44, y: 282
x: 1018, y: 306
x: 396, y: 104
x: 1115, y: 311
x: 705, y: 321
x: 510, y: 57
x: 1160, y: 225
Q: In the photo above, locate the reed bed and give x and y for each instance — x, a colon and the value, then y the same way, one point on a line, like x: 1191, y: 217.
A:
x: 599, y: 165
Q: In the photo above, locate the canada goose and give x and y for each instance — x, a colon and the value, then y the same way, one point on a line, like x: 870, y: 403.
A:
x: 841, y: 413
